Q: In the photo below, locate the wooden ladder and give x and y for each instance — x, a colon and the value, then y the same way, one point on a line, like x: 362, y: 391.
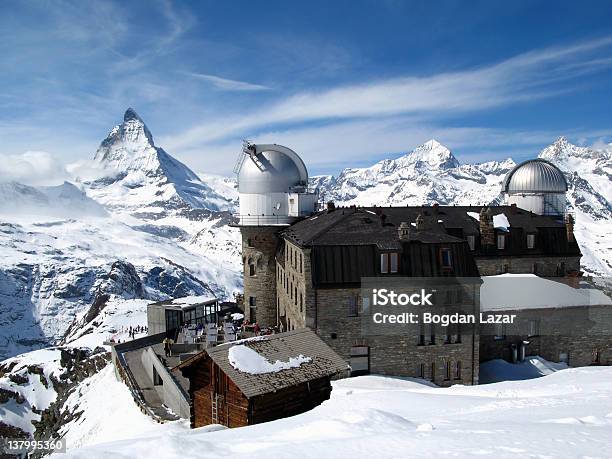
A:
x: 214, y: 398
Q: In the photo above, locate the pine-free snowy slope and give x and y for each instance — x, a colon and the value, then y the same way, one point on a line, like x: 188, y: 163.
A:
x: 565, y: 414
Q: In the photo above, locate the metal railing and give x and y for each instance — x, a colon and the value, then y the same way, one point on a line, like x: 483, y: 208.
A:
x: 263, y: 220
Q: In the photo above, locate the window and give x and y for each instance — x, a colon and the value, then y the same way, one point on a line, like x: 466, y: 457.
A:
x: 252, y: 301
x: 421, y: 339
x: 249, y: 243
x: 301, y: 302
x: 457, y: 370
x: 384, y: 263
x: 295, y: 297
x: 432, y: 334
x: 365, y: 304
x: 157, y: 381
x: 500, y: 332
x: 353, y: 306
x: 360, y: 360
x: 421, y: 370
x: 389, y: 262
x: 447, y: 371
x: 530, y: 241
x: 446, y: 259
x: 433, y: 370
x: 251, y: 269
x: 301, y: 263
x: 458, y: 334
x: 393, y: 262
x: 471, y: 239
x: 534, y: 327
x: 501, y: 241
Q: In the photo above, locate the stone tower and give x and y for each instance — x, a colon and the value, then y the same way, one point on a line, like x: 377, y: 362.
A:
x: 273, y: 193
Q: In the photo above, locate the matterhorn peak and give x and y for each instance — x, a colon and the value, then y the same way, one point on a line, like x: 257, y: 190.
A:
x: 131, y: 115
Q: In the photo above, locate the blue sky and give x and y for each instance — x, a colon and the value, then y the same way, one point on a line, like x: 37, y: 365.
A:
x: 344, y: 83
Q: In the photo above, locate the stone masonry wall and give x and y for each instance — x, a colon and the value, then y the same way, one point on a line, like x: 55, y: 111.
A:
x: 394, y: 355
x: 259, y: 246
x: 583, y: 334
x: 545, y: 266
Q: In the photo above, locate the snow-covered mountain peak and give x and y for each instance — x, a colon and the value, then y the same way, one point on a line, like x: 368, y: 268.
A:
x: 129, y: 146
x: 144, y: 175
x: 564, y: 154
x: 432, y: 154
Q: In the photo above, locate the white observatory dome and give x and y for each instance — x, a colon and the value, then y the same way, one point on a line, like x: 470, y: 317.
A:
x: 535, y: 176
x: 275, y: 169
x: 538, y: 186
x: 272, y: 186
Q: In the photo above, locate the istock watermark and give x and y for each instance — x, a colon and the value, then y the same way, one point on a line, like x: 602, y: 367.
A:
x: 495, y: 306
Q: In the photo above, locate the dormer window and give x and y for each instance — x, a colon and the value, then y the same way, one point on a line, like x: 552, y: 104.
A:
x: 446, y: 258
x: 530, y: 241
x: 471, y: 240
x: 389, y: 262
x: 501, y: 241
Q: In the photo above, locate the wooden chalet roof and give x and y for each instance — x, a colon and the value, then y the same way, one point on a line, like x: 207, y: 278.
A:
x: 281, y: 346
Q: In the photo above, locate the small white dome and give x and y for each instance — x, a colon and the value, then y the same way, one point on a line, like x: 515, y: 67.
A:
x: 273, y: 169
x: 535, y: 176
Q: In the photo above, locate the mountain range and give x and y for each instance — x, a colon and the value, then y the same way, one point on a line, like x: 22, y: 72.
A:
x: 147, y: 227
x: 431, y: 174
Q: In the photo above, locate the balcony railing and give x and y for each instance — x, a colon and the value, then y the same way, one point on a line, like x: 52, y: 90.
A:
x: 262, y: 220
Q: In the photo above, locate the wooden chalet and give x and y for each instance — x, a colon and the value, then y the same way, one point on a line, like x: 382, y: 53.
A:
x: 222, y: 394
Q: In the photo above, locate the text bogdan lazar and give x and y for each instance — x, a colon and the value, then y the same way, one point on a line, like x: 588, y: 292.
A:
x: 384, y: 297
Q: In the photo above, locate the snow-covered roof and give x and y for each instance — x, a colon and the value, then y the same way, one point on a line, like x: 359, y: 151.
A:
x: 500, y: 221
x: 248, y: 360
x: 188, y: 301
x: 528, y: 291
x: 260, y: 366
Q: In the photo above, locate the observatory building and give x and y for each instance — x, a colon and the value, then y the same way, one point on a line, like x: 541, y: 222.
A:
x: 538, y: 186
x: 304, y: 265
x: 273, y: 193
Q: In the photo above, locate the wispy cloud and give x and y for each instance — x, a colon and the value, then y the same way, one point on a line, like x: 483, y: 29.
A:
x: 527, y: 77
x: 229, y: 85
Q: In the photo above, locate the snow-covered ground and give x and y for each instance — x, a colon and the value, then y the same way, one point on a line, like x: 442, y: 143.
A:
x: 565, y: 414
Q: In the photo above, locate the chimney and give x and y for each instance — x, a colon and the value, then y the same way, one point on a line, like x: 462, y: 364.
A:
x: 420, y: 222
x: 569, y: 227
x: 331, y: 206
x: 404, y: 231
x: 487, y: 231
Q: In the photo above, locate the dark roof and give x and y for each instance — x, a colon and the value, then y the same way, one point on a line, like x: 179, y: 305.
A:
x: 281, y: 346
x: 350, y: 225
x: 442, y: 224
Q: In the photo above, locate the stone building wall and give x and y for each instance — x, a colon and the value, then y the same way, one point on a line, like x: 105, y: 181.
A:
x: 259, y: 246
x: 293, y: 277
x: 580, y: 335
x: 544, y: 266
x: 394, y: 355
